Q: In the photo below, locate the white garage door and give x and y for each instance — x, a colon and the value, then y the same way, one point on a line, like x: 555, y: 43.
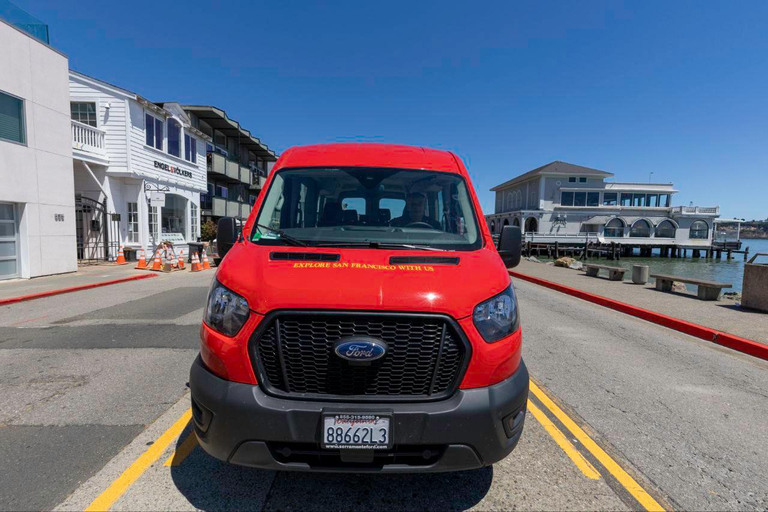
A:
x: 9, y: 242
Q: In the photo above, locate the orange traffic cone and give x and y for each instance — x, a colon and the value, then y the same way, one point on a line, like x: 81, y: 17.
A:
x: 142, y: 260
x: 121, y: 257
x: 206, y: 262
x: 181, y: 260
x: 157, y: 262
x: 195, y: 264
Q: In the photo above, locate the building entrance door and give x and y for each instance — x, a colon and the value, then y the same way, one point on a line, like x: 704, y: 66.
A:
x: 9, y: 242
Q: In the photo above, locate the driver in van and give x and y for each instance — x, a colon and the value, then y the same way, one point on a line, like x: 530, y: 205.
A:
x: 413, y: 213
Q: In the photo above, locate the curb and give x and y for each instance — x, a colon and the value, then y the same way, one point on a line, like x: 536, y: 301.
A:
x: 50, y: 293
x: 744, y: 345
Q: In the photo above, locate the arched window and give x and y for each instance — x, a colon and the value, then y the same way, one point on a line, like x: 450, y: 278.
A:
x: 699, y: 230
x: 531, y: 225
x: 614, y: 228
x: 640, y: 229
x: 532, y: 205
x: 499, y: 201
x: 516, y: 222
x: 665, y: 229
x: 510, y: 204
x: 173, y: 216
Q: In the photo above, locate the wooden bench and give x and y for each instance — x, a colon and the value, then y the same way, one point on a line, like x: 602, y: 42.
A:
x: 707, y: 290
x: 614, y: 273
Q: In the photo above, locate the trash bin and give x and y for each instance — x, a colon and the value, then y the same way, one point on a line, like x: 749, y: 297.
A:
x: 640, y: 274
x: 195, y: 247
x: 754, y: 288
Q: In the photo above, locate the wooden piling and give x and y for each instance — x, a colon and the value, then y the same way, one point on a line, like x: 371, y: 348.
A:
x: 746, y: 253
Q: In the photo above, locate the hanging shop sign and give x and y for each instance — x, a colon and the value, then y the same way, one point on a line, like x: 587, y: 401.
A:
x: 173, y: 169
x: 157, y: 199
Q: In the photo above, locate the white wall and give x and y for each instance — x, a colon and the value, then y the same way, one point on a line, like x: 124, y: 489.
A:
x: 38, y: 176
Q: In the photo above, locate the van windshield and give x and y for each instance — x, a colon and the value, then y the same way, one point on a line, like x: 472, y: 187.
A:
x: 350, y: 207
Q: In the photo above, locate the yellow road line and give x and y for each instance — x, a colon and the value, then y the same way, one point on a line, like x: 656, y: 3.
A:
x: 108, y: 498
x: 183, y: 451
x: 577, y: 458
x: 611, y: 465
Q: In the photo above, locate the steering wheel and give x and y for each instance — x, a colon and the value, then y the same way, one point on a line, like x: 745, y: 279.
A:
x: 418, y: 224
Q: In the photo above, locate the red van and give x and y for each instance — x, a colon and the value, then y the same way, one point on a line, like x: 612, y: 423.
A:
x: 363, y: 320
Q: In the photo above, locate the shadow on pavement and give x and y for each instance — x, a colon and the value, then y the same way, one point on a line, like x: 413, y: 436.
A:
x: 208, y: 484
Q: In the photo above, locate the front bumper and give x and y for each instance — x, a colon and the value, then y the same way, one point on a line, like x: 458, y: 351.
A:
x: 240, y: 424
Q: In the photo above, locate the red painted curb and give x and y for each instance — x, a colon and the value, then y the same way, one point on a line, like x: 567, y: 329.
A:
x: 60, y: 291
x: 731, y: 341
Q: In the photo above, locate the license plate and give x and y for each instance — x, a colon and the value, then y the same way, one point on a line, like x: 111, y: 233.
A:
x: 356, y: 432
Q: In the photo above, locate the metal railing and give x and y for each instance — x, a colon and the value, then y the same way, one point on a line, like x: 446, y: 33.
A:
x: 88, y: 138
x: 696, y: 210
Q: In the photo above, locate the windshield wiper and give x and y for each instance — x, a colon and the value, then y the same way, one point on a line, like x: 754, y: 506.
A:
x: 378, y: 245
x: 283, y: 236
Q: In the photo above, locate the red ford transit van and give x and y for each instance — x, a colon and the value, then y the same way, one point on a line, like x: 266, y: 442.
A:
x: 362, y: 320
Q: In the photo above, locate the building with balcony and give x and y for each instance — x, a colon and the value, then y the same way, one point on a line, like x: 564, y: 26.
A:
x: 139, y: 169
x: 237, y: 164
x: 569, y: 203
x: 37, y: 200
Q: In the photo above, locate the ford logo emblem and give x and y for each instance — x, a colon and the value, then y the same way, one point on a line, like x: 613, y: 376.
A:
x: 360, y: 348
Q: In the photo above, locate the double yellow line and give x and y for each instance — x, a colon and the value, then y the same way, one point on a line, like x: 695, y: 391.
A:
x: 108, y: 498
x: 610, y: 465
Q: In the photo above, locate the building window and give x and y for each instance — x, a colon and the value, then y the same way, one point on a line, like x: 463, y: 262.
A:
x: 173, y: 217
x: 174, y: 138
x: 84, y: 112
x: 133, y: 223
x: 582, y: 180
x: 566, y: 199
x: 610, y: 199
x: 572, y: 179
x: 221, y: 192
x: 665, y: 229
x: 640, y: 229
x: 614, y: 228
x: 153, y: 224
x: 699, y: 230
x: 593, y: 198
x: 626, y: 199
x: 12, y: 126
x: 193, y: 220
x: 652, y: 200
x: 580, y: 199
x: 9, y: 243
x: 638, y: 200
x: 664, y: 200
x: 154, y: 131
x: 190, y: 148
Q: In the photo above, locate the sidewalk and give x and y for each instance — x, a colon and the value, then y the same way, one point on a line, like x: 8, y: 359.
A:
x: 85, y: 275
x: 723, y: 315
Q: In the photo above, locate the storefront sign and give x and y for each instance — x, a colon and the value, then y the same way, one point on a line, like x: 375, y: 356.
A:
x: 157, y: 199
x: 173, y: 169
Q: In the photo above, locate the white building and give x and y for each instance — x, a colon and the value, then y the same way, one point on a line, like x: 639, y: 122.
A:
x: 37, y: 198
x: 565, y: 202
x: 127, y: 150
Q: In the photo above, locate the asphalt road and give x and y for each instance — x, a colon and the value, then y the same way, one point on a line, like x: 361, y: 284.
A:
x: 91, y: 379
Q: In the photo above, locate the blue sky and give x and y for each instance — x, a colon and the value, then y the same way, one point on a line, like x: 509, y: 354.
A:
x: 674, y: 88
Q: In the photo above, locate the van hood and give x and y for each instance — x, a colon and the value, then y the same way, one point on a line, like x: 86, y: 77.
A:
x: 361, y: 279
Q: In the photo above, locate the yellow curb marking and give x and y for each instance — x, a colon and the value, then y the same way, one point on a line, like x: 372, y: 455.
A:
x: 108, y: 498
x: 611, y: 465
x: 577, y: 458
x: 183, y: 451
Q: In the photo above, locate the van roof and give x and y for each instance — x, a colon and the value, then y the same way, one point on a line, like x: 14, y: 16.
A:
x: 367, y: 154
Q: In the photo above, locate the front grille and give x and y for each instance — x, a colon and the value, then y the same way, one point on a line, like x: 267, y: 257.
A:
x: 294, y: 355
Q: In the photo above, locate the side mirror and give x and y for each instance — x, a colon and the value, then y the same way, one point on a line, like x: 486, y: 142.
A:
x: 511, y: 246
x: 226, y: 235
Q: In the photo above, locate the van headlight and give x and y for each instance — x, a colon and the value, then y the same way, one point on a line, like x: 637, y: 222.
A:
x: 226, y: 311
x: 497, y: 317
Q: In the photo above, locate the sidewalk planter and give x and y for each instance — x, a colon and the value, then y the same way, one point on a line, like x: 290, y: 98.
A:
x: 754, y: 288
x: 640, y: 274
